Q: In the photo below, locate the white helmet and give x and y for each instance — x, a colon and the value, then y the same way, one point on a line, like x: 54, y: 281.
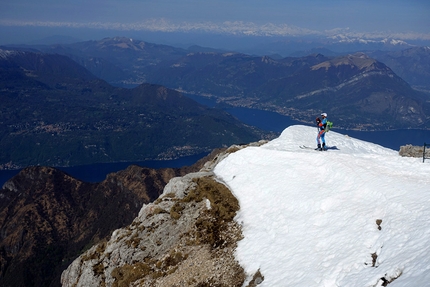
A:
x: 324, y: 114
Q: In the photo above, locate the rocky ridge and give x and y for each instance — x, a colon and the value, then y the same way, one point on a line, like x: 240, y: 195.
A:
x: 48, y: 218
x: 187, y: 237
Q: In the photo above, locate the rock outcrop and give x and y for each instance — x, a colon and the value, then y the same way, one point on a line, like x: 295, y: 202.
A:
x: 48, y: 218
x: 187, y: 237
x: 414, y: 151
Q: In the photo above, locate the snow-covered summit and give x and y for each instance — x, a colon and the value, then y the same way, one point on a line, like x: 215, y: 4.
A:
x: 355, y: 215
x: 295, y: 136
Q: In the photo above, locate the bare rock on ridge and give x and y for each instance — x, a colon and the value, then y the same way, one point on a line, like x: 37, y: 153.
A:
x: 187, y: 237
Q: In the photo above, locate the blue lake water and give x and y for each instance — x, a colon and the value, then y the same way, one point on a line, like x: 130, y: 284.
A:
x: 97, y: 172
x: 264, y: 120
x: 271, y: 121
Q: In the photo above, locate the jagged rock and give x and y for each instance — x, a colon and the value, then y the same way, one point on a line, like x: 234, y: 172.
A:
x: 187, y: 237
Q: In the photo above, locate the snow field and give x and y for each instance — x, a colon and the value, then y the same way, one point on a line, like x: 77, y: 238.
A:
x: 310, y: 218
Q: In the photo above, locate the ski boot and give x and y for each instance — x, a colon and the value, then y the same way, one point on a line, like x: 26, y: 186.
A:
x: 324, y: 148
x: 319, y: 147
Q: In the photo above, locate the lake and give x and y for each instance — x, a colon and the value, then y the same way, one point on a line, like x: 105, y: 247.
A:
x: 271, y: 121
x: 264, y: 120
x: 97, y: 172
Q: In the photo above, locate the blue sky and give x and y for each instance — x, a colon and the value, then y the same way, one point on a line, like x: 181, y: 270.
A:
x: 318, y: 15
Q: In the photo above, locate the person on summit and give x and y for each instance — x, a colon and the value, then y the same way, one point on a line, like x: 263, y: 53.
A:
x: 322, y: 124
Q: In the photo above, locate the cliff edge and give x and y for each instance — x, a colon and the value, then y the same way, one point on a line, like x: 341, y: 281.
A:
x: 187, y: 237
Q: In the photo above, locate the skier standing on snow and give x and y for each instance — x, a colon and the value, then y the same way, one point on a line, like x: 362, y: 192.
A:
x: 322, y: 124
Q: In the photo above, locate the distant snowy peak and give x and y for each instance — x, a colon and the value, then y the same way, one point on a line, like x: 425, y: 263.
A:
x: 395, y: 42
x: 5, y: 54
x: 341, y: 38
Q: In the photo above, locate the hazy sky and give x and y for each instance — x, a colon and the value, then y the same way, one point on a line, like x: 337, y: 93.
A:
x: 317, y: 15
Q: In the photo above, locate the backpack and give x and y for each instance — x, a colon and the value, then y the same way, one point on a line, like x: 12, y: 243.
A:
x: 328, y: 126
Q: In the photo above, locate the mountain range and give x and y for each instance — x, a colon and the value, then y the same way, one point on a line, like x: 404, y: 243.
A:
x: 53, y: 101
x: 55, y: 112
x: 358, y: 90
x: 123, y: 60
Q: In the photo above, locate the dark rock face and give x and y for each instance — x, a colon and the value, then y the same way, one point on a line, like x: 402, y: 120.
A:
x: 48, y: 218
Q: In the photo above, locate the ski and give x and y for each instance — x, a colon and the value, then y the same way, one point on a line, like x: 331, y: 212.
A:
x: 326, y: 147
x: 308, y: 147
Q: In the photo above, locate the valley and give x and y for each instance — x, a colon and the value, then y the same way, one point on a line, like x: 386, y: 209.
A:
x: 72, y: 118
